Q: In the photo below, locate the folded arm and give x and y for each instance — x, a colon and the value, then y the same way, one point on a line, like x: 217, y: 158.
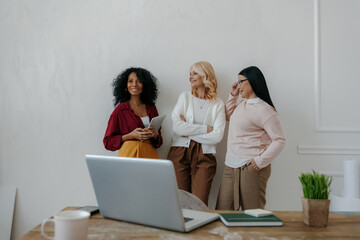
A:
x: 183, y: 128
x: 216, y: 135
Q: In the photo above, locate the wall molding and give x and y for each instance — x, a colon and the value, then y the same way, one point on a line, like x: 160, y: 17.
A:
x: 317, y: 79
x: 327, y: 150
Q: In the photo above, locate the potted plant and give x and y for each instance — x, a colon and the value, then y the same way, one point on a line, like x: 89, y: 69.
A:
x: 315, y: 203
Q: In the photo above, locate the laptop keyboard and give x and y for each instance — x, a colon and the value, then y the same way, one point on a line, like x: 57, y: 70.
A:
x: 186, y: 219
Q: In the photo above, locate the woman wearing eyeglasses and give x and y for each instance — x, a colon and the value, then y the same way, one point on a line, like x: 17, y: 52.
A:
x: 255, y: 138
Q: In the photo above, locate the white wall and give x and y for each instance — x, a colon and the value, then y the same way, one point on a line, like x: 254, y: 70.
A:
x: 58, y: 58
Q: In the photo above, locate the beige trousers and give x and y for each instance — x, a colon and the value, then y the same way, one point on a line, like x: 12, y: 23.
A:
x: 243, y: 187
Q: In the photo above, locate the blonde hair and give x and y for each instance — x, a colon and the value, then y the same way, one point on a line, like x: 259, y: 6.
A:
x: 206, y: 71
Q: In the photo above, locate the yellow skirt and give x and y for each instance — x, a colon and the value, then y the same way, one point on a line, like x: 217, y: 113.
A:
x: 138, y: 149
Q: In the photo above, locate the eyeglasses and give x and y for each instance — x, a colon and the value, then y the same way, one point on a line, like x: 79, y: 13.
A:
x: 241, y: 81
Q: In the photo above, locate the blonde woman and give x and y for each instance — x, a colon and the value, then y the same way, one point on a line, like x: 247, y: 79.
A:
x: 198, y: 122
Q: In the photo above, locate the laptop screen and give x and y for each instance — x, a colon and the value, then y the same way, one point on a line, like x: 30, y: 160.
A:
x: 136, y: 190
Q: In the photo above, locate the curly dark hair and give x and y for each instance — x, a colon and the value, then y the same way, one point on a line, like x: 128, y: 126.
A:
x: 149, y: 91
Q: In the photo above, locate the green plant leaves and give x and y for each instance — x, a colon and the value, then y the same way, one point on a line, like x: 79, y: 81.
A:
x: 315, y: 186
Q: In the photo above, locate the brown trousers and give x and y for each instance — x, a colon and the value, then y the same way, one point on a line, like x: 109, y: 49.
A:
x: 194, y: 170
x: 243, y: 187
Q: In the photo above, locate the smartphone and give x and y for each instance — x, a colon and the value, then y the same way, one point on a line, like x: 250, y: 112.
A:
x: 91, y: 209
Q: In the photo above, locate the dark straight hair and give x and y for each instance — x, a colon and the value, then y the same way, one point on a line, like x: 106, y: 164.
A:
x: 257, y: 83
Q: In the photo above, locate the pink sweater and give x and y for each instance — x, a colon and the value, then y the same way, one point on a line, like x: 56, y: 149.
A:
x: 254, y: 131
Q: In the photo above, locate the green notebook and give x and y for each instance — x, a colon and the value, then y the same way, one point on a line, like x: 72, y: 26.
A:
x: 242, y: 219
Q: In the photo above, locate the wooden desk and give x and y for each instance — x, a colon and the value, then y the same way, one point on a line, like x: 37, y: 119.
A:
x: 340, y: 227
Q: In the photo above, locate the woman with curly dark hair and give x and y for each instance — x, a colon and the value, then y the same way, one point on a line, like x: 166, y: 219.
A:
x: 135, y: 92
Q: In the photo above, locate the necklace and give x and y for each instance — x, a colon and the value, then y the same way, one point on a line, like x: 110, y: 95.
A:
x: 202, y: 104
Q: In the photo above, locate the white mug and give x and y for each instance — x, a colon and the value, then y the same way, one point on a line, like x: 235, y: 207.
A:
x: 69, y: 225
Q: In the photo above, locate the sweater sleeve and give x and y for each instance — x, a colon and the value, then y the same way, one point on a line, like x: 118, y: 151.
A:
x: 112, y: 139
x: 180, y: 127
x: 273, y: 128
x: 216, y: 135
x: 230, y: 105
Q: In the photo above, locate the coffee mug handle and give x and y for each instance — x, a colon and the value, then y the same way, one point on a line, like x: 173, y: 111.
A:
x: 42, y: 228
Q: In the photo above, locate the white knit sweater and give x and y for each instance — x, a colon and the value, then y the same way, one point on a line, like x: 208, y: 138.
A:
x: 184, y: 132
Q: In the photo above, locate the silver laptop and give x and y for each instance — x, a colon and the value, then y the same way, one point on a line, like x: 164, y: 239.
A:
x: 142, y: 191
